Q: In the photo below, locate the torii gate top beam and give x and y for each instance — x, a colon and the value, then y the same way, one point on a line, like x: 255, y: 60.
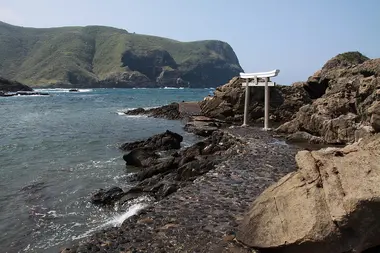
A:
x: 272, y: 73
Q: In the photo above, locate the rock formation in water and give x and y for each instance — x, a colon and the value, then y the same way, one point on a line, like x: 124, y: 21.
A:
x: 12, y: 86
x: 170, y: 111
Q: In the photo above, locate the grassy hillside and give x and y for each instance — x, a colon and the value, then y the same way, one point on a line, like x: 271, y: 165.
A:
x: 105, y: 56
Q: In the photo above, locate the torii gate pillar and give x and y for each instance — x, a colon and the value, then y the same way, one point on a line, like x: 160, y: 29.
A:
x: 266, y: 84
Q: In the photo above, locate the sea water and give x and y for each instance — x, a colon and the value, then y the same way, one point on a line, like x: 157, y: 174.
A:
x: 56, y: 150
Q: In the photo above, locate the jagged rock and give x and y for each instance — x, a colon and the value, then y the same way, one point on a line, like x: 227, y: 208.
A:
x: 375, y: 122
x: 167, y: 164
x: 363, y: 131
x: 141, y: 157
x: 165, y: 141
x: 352, y: 83
x: 374, y: 111
x: 228, y: 102
x: 313, y: 86
x: 166, y: 190
x: 191, y: 170
x: 170, y: 111
x: 137, y: 111
x: 304, y: 137
x: 107, y: 197
x: 330, y: 205
x: 203, y: 126
x: 164, y: 176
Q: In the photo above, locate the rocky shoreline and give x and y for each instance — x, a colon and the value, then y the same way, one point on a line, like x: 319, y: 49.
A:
x: 203, y: 216
x: 303, y: 201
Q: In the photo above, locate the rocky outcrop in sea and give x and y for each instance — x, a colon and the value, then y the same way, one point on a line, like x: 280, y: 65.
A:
x: 10, y: 88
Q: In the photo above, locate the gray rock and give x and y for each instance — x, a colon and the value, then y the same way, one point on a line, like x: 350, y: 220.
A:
x: 305, y: 137
x: 352, y: 90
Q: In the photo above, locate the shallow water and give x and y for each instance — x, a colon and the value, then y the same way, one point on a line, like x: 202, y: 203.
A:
x: 55, y: 150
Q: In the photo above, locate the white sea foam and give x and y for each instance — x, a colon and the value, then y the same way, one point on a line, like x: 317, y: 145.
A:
x: 117, y: 219
x: 173, y: 88
x: 60, y: 90
x: 136, y: 116
x: 27, y: 248
x: 122, y: 112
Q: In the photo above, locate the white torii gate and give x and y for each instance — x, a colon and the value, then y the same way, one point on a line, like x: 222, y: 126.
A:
x: 266, y: 84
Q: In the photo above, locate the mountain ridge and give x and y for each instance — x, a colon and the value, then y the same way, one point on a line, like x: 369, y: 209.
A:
x: 102, y: 56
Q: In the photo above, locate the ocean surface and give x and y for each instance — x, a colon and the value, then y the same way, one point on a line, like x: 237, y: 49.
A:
x: 56, y: 150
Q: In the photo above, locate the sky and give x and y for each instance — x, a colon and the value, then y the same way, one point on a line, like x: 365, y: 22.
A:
x: 295, y: 36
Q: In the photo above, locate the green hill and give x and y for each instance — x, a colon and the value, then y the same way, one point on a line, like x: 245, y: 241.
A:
x: 97, y: 56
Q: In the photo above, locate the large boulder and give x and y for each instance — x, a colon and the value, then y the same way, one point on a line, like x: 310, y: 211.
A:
x: 107, y: 197
x: 374, y: 112
x: 170, y: 111
x: 164, y: 141
x: 141, y: 157
x: 304, y: 137
x: 352, y: 88
x: 331, y: 204
x: 228, y: 102
x: 203, y: 126
x: 313, y: 86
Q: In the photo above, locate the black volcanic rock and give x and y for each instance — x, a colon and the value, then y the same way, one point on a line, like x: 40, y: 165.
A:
x: 170, y: 111
x: 165, y: 141
x: 12, y: 86
x: 140, y: 157
x: 107, y: 197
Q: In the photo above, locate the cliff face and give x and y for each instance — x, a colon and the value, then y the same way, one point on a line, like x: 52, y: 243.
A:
x: 12, y: 86
x: 96, y: 56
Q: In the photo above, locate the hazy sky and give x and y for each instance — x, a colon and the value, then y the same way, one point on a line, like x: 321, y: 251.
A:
x: 295, y: 36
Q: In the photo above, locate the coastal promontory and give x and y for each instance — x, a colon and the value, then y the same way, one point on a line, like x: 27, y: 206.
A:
x: 99, y: 56
x: 12, y: 86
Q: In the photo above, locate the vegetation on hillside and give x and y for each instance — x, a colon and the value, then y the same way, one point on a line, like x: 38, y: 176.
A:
x: 346, y: 59
x: 94, y: 54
